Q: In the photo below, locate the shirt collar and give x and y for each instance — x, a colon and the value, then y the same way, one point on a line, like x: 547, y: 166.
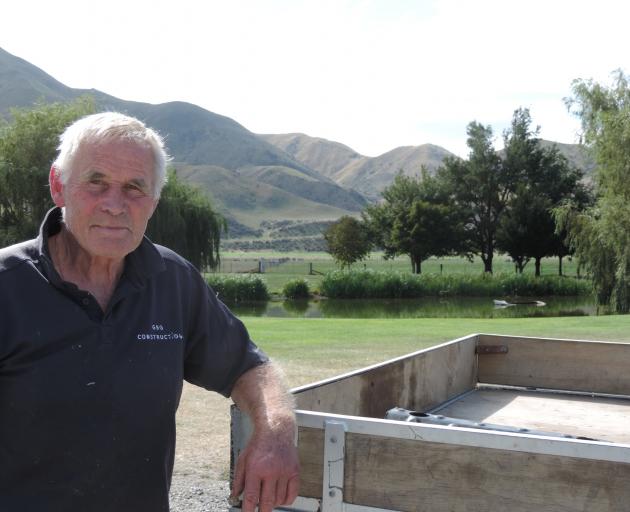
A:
x: 140, y: 265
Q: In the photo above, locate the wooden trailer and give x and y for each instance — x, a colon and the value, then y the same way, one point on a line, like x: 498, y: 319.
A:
x: 540, y: 390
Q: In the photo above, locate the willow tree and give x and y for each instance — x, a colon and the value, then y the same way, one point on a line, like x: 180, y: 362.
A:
x: 601, y: 234
x: 186, y: 222
x: 28, y: 146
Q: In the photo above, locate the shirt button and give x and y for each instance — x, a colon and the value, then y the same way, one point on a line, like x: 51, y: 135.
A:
x: 85, y: 301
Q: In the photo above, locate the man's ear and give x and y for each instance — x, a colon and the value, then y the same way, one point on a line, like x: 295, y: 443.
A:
x: 56, y: 187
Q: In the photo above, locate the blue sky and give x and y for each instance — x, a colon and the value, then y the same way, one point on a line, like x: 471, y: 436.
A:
x: 370, y: 74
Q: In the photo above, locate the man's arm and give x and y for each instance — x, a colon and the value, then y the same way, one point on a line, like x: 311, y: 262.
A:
x: 267, y: 471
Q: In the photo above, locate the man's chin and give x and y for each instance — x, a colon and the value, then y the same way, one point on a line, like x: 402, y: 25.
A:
x: 111, y: 248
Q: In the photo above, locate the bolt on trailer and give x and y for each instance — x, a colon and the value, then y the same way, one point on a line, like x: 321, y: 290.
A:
x: 481, y: 423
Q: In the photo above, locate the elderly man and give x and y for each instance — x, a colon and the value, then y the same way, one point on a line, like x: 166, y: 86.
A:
x: 98, y: 329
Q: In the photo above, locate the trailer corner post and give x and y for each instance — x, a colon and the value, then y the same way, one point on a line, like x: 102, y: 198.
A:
x: 334, y: 456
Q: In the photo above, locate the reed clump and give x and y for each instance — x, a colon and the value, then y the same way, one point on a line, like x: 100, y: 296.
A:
x: 371, y: 284
x: 296, y: 289
x: 238, y: 288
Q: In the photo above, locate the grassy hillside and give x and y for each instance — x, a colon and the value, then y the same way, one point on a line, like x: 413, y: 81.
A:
x: 372, y: 175
x: 325, y: 156
x: 251, y: 202
x: 197, y: 136
x: 368, y: 175
x: 23, y: 84
x: 306, y: 186
x: 576, y: 154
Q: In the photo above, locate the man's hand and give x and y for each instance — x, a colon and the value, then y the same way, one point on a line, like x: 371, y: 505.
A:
x: 267, y: 471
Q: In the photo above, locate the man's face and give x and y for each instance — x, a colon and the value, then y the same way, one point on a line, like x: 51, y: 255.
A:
x: 108, y: 197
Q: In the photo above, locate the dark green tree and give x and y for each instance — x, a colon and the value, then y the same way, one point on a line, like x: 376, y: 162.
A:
x: 527, y: 229
x: 28, y: 146
x: 397, y: 200
x: 186, y: 222
x: 480, y: 188
x: 416, y: 218
x: 544, y: 180
x: 427, y: 229
x: 348, y: 241
x: 601, y: 234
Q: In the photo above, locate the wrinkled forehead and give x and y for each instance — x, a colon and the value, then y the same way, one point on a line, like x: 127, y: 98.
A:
x: 115, y: 158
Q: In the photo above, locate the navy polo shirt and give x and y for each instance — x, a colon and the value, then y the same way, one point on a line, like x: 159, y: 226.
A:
x: 88, y: 398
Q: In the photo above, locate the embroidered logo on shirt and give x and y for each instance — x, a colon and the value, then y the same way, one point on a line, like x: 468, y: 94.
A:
x: 160, y: 334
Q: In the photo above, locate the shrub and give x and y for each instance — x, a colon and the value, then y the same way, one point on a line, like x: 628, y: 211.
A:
x: 238, y: 288
x: 370, y: 284
x: 296, y: 289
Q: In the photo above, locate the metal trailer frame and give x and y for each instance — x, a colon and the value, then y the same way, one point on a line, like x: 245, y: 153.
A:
x: 336, y: 429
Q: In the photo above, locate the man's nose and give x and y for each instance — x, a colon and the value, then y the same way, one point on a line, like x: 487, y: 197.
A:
x: 114, y: 201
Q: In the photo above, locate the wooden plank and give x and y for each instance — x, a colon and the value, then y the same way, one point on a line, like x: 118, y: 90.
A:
x: 605, y: 419
x: 597, y: 367
x: 420, y: 476
x: 417, y: 381
x: 311, y: 454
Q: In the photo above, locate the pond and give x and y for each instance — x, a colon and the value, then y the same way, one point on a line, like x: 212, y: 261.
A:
x: 454, y: 307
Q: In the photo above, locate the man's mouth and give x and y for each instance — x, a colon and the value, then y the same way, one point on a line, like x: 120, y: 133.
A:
x: 111, y: 229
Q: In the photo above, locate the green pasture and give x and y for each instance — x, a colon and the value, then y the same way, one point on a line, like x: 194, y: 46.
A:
x: 282, y: 267
x: 312, y: 349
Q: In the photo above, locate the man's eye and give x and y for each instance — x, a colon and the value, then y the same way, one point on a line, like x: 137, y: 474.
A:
x: 134, y: 190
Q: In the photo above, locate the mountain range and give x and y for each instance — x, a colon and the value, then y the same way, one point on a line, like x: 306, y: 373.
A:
x: 254, y: 180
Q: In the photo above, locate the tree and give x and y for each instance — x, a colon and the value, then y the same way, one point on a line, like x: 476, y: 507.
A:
x: 601, y: 234
x: 425, y: 230
x: 545, y: 179
x: 527, y: 229
x: 186, y: 222
x: 480, y: 187
x: 347, y: 241
x: 416, y: 219
x: 397, y: 200
x: 28, y: 145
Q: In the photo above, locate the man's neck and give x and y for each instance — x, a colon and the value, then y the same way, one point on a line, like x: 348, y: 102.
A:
x: 97, y: 275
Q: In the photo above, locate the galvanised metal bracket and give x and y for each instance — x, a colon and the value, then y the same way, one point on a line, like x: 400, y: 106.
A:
x: 334, y: 454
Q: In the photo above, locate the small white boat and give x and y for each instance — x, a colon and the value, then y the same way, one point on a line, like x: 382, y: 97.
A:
x: 505, y: 304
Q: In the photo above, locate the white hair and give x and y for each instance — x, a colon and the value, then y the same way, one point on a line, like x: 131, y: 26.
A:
x: 108, y: 126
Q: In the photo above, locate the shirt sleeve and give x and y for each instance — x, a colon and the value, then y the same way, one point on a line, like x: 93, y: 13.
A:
x: 219, y: 349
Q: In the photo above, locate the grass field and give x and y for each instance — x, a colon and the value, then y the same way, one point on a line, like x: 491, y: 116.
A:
x: 281, y: 267
x: 313, y: 349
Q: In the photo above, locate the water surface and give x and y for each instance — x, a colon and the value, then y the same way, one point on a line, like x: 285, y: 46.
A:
x: 428, y: 307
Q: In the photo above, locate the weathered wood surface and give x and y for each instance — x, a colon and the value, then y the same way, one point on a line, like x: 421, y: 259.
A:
x: 419, y: 381
x: 557, y: 364
x: 418, y: 476
x: 605, y: 419
x: 311, y: 453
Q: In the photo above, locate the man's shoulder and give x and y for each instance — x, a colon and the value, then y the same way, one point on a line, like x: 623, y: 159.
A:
x: 171, y: 258
x: 14, y: 255
x: 177, y: 269
x: 176, y: 265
